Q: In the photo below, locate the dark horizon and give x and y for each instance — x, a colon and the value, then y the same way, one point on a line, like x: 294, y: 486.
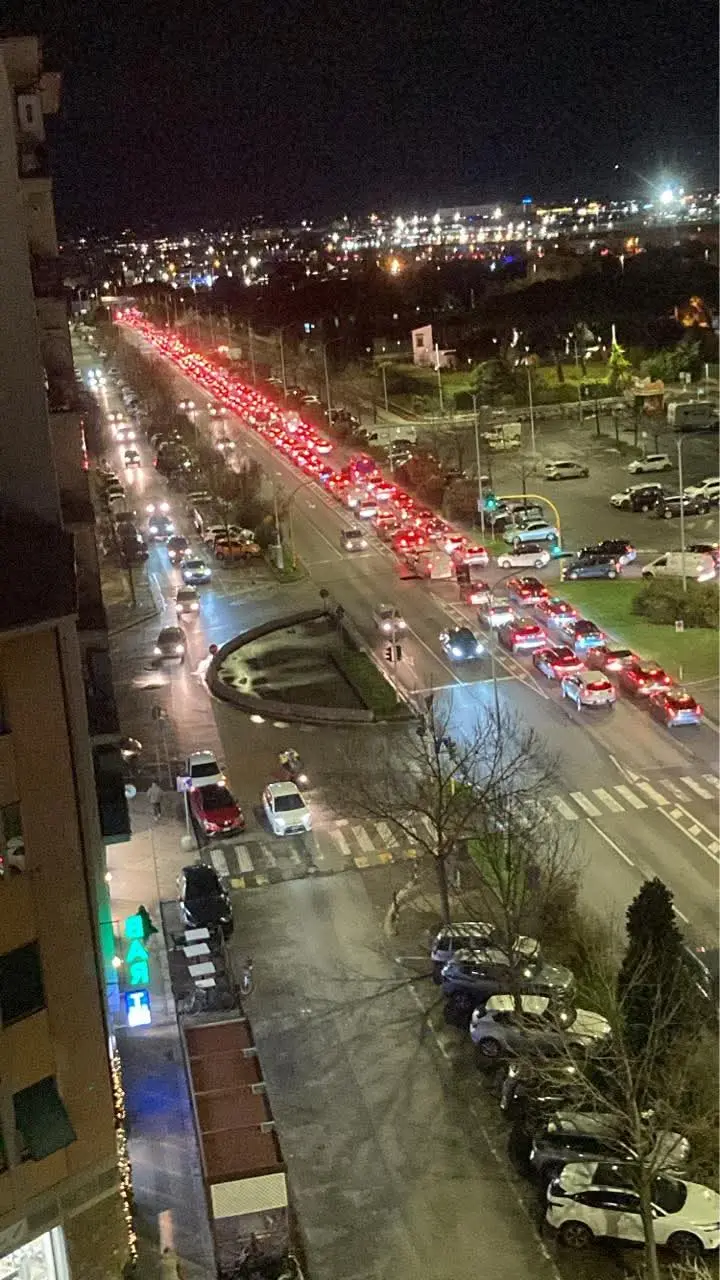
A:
x: 195, y: 117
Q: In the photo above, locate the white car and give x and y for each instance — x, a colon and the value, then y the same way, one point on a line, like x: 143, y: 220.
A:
x: 595, y: 1200
x: 497, y: 611
x: 388, y: 619
x: 531, y: 556
x: 588, y: 689
x: 708, y: 488
x: 651, y: 462
x: 285, y: 809
x: 499, y: 1027
x: 186, y: 405
x: 203, y: 769
x: 564, y: 469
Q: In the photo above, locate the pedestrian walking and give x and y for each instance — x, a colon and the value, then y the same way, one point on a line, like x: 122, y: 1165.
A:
x: 170, y: 1265
x: 154, y: 795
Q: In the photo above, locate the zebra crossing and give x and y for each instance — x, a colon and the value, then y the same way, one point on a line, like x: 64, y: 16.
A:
x: 347, y: 843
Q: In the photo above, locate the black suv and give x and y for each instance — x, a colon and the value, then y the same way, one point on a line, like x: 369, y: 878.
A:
x: 204, y: 904
x: 616, y: 548
x: 638, y: 497
x: 669, y: 507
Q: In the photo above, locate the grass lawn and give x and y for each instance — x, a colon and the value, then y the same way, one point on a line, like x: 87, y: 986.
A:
x: 369, y: 683
x: 688, y: 655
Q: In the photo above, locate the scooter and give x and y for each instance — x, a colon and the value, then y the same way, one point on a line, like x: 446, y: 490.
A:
x: 292, y: 766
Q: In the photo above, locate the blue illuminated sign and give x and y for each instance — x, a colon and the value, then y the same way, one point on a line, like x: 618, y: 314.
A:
x: 137, y: 1008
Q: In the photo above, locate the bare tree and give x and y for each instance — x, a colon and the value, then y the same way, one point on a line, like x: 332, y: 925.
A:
x: 654, y: 1112
x: 436, y: 790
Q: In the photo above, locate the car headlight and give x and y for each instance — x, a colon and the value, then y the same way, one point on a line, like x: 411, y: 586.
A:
x: 456, y: 653
x: 386, y: 626
x: 157, y: 651
x: 153, y: 528
x: 179, y: 648
x: 195, y: 606
x: 280, y: 823
x: 479, y: 648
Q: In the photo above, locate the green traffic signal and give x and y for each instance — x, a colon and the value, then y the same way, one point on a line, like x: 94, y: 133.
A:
x: 491, y: 502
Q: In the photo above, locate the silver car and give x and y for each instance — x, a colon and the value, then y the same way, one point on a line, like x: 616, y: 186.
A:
x: 388, y: 619
x: 538, y: 1025
x: 471, y: 935
x: 588, y: 689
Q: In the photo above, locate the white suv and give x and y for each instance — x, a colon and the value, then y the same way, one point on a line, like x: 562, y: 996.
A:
x: 651, y: 462
x: 204, y: 770
x: 565, y: 470
x: 708, y: 488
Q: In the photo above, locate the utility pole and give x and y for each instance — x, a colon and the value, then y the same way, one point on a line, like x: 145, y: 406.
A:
x: 252, y: 352
x: 682, y: 513
x: 327, y: 382
x: 278, y: 537
x: 481, y: 500
x: 212, y: 331
x: 384, y: 382
x: 532, y: 408
x: 439, y: 378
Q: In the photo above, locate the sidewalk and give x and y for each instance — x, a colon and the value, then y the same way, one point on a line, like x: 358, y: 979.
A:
x: 167, y: 1177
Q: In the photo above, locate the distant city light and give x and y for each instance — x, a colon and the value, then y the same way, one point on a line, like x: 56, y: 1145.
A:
x: 667, y: 196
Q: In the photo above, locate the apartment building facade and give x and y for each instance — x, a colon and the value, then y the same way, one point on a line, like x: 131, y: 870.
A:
x: 63, y: 1205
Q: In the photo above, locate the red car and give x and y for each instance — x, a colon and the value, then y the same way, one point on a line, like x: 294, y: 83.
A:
x: 554, y: 611
x: 674, y: 707
x: 526, y: 590
x: 215, y: 810
x: 475, y: 592
x: 640, y: 679
x: 556, y: 663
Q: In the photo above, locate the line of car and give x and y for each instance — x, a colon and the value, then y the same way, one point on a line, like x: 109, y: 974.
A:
x: 520, y: 1012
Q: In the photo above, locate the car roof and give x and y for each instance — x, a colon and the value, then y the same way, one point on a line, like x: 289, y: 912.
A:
x: 590, y: 677
x: 528, y: 1004
x: 585, y: 1122
x: 459, y: 930
x: 283, y: 789
x: 172, y: 631
x: 201, y: 757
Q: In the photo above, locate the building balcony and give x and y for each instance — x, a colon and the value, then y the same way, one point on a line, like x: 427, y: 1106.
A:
x: 110, y: 790
x: 47, y: 276
x: 33, y: 158
x: 102, y: 711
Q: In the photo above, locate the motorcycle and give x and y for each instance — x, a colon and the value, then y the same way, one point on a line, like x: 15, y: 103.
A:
x: 292, y: 766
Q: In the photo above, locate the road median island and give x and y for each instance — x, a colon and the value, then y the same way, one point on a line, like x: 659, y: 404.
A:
x: 370, y: 685
x: 690, y: 655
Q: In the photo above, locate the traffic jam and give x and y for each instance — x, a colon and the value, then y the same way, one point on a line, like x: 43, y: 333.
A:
x: 519, y: 613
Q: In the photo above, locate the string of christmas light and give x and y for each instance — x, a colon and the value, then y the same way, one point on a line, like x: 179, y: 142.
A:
x: 124, y: 1165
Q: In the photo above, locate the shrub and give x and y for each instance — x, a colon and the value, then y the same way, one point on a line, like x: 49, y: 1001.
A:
x: 663, y: 600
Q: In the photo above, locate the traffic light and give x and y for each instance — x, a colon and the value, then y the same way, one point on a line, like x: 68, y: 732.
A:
x: 389, y: 653
x: 491, y: 502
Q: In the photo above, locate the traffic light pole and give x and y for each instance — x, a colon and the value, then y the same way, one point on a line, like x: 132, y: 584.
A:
x: 481, y: 500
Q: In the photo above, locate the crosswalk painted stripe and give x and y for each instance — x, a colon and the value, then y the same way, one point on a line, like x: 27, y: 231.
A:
x: 674, y: 789
x: 695, y: 786
x: 713, y: 780
x: 386, y: 835
x: 363, y: 839
x: 608, y: 800
x: 219, y: 861
x: 585, y: 804
x: 627, y: 794
x: 563, y: 808
x: 652, y: 794
x: 341, y: 843
x: 268, y: 855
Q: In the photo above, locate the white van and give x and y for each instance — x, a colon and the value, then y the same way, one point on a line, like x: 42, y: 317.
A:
x: 692, y: 415
x: 698, y: 565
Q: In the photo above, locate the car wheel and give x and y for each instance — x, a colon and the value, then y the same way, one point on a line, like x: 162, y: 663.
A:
x: 685, y: 1244
x: 667, y: 515
x: 585, y: 473
x: 575, y: 1235
x: 503, y: 563
x: 572, y: 576
x: 645, y: 506
x: 612, y: 574
x: 488, y: 1048
x: 539, y: 564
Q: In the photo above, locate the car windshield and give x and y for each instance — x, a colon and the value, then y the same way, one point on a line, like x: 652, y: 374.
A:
x: 214, y: 797
x: 208, y: 769
x: 283, y: 804
x: 170, y: 635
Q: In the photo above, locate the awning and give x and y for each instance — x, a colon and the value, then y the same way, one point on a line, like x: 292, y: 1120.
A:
x: 42, y: 1120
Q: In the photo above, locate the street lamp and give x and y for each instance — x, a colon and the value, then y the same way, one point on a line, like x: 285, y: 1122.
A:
x: 679, y: 443
x: 481, y: 500
x: 526, y: 362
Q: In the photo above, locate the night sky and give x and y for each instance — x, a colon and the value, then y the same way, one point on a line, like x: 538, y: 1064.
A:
x: 214, y: 110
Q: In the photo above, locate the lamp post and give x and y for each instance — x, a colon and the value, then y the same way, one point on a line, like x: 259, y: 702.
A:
x: 252, y: 352
x: 282, y: 363
x: 481, y: 500
x: 531, y: 406
x: 385, y: 391
x: 327, y: 382
x: 679, y: 442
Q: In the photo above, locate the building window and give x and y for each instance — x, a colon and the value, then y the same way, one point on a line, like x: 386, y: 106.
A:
x: 12, y: 845
x: 21, y: 984
x: 41, y: 1120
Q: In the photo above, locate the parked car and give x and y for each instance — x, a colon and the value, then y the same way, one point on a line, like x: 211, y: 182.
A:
x: 671, y: 564
x: 709, y: 488
x: 638, y: 497
x: 569, y: 1137
x: 171, y: 643
x: 535, y: 531
x: 215, y: 810
x: 588, y: 689
x: 669, y: 507
x: 471, y: 935
x: 202, y: 768
x: 619, y: 549
x: 204, y: 904
x: 565, y: 470
x: 651, y: 462
x: 474, y: 976
x: 540, y: 1025
x: 595, y: 1200
x: 529, y: 556
x: 285, y: 809
x: 590, y: 566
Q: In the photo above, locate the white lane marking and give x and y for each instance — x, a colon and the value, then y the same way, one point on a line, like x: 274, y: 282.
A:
x: 692, y: 830
x: 563, y: 808
x: 386, y: 835
x: 674, y: 789
x: 269, y: 855
x: 609, y: 801
x: 363, y: 839
x: 585, y: 804
x: 695, y: 786
x: 651, y: 793
x: 608, y: 840
x: 341, y: 843
x: 625, y: 772
x: 627, y: 794
x: 219, y: 861
x: 712, y: 779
